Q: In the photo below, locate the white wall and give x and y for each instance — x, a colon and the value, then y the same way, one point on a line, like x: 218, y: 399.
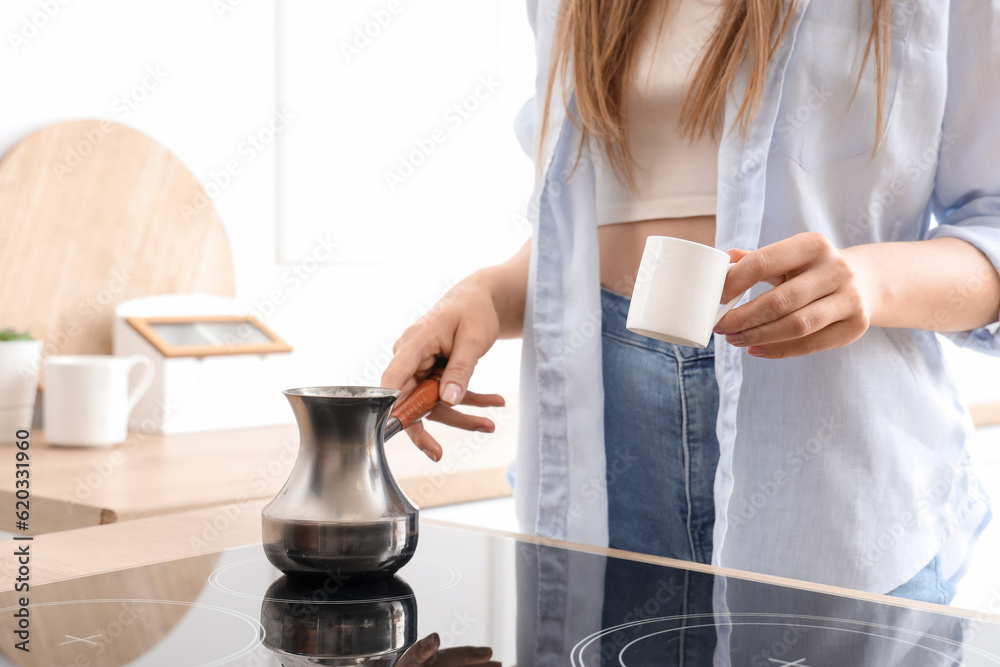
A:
x: 200, y: 77
x: 214, y: 86
x: 402, y: 144
x: 977, y: 374
x: 403, y: 154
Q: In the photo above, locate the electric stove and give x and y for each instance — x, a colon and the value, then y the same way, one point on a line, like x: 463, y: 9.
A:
x: 532, y: 604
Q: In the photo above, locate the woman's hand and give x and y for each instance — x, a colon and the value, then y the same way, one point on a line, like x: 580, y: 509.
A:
x: 821, y: 299
x: 428, y: 652
x: 462, y: 326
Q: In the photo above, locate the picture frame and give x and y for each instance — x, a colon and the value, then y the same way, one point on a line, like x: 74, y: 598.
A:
x: 208, y: 335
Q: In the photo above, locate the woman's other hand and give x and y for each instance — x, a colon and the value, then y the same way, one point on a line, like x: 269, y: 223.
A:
x: 462, y: 326
x: 428, y: 652
x: 821, y: 299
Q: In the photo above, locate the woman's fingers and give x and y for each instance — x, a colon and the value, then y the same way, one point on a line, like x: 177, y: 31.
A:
x: 483, y: 400
x: 428, y: 652
x: 420, y: 652
x: 425, y: 442
x: 443, y: 413
x: 769, y: 263
x: 736, y: 254
x: 468, y: 348
x: 463, y: 655
x: 408, y: 386
x: 775, y: 304
x: 828, y: 338
x: 407, y: 361
x: 798, y: 323
x: 452, y: 417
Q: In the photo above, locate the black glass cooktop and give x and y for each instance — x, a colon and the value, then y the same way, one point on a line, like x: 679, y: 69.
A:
x: 485, y: 598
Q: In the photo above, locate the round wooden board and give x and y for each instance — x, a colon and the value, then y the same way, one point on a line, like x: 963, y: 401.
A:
x: 93, y: 213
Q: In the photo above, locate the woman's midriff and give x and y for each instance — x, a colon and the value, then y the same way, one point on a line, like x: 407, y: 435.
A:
x: 621, y: 245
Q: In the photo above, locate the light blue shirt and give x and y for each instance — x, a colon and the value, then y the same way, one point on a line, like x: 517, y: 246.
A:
x: 846, y: 467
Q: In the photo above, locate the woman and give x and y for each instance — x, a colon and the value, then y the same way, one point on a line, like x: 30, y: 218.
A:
x: 841, y: 438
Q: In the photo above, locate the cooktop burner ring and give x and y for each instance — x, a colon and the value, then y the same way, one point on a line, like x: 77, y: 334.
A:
x: 447, y: 575
x: 256, y: 630
x: 578, y: 655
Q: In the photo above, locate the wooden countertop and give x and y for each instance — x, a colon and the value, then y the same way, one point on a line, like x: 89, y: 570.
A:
x: 153, y: 475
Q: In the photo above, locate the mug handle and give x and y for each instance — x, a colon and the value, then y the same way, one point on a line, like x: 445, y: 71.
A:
x: 144, y: 382
x: 729, y: 306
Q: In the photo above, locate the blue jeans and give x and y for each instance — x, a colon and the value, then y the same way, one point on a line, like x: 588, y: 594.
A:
x: 660, y: 407
x: 929, y: 585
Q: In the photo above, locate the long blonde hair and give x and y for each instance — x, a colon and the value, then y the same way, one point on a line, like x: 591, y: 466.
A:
x: 598, y: 42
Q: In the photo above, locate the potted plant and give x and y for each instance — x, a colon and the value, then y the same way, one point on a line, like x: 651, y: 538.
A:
x: 20, y: 359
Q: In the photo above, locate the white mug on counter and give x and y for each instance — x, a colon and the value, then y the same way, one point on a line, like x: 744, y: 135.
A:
x: 87, y: 397
x: 677, y: 291
x: 19, y: 364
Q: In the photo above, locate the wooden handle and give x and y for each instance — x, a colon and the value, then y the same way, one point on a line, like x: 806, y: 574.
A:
x: 420, y: 401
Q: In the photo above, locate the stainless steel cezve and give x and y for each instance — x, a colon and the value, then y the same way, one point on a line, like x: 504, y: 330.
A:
x: 341, y: 513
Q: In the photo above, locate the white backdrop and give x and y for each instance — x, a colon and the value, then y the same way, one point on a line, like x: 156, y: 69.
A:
x: 403, y: 139
x: 200, y: 77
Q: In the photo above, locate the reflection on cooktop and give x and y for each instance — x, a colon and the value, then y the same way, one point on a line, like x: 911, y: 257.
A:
x: 653, y: 615
x: 325, y: 623
x: 243, y: 578
x: 469, y: 598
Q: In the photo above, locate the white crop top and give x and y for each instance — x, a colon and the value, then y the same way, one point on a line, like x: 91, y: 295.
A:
x: 674, y: 178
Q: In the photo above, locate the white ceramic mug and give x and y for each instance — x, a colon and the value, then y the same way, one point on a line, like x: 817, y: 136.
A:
x: 677, y: 291
x: 87, y: 397
x: 19, y: 364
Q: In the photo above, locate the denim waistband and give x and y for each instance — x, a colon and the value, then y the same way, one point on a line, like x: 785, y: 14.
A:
x: 614, y: 312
